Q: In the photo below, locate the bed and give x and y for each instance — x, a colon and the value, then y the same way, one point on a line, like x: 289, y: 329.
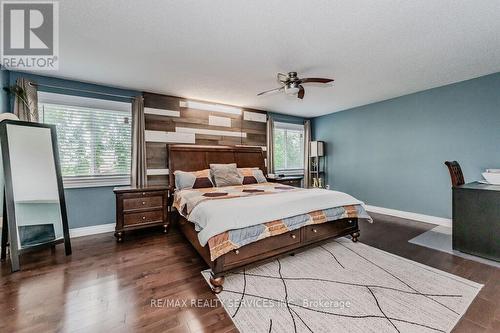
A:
x: 236, y: 226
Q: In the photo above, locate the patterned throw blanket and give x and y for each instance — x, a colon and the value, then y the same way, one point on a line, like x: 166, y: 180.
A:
x: 186, y: 200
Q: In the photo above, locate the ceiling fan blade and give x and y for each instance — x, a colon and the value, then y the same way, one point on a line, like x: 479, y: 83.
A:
x: 315, y: 80
x: 301, y: 92
x: 282, y: 78
x: 270, y: 91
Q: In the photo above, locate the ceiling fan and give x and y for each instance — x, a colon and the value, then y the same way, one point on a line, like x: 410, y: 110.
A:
x: 291, y: 84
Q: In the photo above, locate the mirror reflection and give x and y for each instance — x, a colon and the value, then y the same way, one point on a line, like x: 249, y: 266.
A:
x: 34, y: 183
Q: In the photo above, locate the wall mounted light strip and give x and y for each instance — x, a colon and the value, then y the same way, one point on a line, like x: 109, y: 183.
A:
x: 209, y: 107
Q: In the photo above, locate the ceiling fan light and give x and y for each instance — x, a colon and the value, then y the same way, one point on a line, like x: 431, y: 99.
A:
x: 291, y: 89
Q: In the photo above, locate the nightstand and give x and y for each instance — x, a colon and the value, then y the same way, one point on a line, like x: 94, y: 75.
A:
x: 138, y: 208
x: 295, y: 181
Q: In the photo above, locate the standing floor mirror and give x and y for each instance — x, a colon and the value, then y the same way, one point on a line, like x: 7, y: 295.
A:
x: 34, y: 209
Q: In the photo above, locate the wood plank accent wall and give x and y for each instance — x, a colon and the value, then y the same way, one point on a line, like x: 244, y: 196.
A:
x: 169, y: 122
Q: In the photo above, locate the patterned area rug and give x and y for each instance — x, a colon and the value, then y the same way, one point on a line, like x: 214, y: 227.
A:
x: 343, y: 286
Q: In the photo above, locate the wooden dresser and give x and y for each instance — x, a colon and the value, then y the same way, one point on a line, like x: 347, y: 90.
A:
x: 138, y: 208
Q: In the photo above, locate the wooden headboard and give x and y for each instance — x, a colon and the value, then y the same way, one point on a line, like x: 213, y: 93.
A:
x: 194, y: 158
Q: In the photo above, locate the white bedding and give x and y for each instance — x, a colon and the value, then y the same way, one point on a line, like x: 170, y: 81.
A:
x: 213, y: 217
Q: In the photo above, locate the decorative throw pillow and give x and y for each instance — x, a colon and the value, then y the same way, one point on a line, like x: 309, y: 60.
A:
x: 226, y: 174
x: 195, y: 179
x: 252, y: 175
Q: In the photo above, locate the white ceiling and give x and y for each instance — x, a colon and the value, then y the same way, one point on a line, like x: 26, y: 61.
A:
x: 227, y: 51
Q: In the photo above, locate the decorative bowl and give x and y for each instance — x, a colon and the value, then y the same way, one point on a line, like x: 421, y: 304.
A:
x: 492, y: 177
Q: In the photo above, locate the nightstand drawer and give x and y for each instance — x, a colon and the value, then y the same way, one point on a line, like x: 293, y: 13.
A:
x: 295, y: 183
x: 139, y: 203
x: 290, y: 181
x: 155, y: 216
x: 141, y: 207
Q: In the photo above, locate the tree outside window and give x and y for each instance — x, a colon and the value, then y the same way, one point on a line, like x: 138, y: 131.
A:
x: 288, y: 147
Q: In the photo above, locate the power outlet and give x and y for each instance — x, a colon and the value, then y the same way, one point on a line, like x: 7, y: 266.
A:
x: 327, y: 187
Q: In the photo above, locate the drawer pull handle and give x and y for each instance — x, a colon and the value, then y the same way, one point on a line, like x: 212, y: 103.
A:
x: 143, y: 193
x: 236, y: 251
x: 144, y: 217
x: 293, y: 236
x: 144, y: 202
x: 315, y: 230
x: 350, y: 221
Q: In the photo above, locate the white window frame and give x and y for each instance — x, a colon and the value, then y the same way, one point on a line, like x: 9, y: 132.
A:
x: 70, y: 100
x: 99, y: 181
x: 293, y: 127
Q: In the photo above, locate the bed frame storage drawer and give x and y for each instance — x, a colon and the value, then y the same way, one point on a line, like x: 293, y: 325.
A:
x: 274, y: 244
x: 134, y: 204
x: 321, y: 231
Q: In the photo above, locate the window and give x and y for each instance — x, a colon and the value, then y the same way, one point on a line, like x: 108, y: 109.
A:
x: 94, y: 138
x: 288, y: 148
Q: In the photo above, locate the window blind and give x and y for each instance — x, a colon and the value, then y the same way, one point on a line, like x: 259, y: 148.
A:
x: 288, y: 147
x: 93, y: 141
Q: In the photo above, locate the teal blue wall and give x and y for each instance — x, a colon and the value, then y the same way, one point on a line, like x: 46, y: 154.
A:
x: 285, y: 118
x: 70, y: 84
x: 90, y: 206
x: 85, y: 206
x: 4, y: 99
x: 390, y: 154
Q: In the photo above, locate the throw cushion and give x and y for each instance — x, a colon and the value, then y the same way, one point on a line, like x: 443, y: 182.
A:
x: 225, y: 174
x: 195, y: 179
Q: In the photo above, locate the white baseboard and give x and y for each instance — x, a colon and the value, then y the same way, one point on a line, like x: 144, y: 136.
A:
x: 410, y: 216
x: 86, y: 231
x: 92, y: 230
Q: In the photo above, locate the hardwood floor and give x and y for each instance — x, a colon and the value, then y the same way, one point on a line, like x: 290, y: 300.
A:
x: 109, y: 287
